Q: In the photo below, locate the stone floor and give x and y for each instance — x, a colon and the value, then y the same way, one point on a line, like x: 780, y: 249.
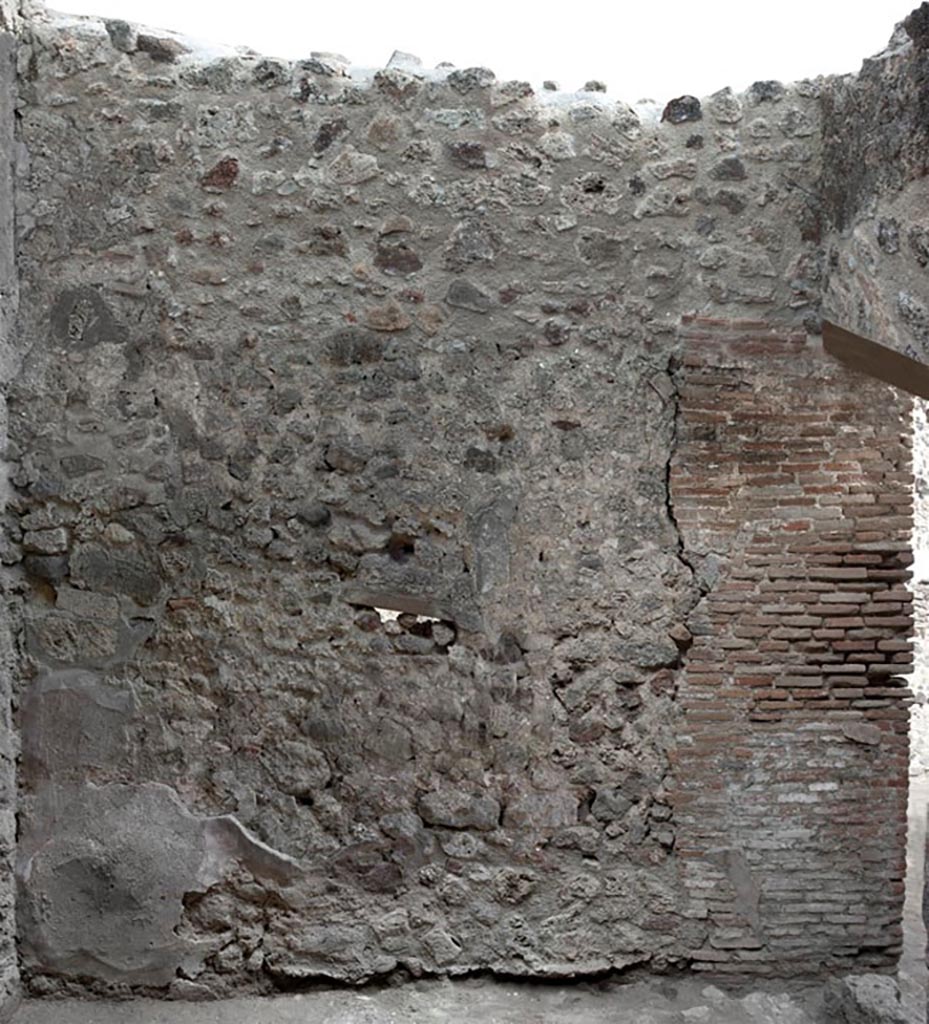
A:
x: 463, y: 1002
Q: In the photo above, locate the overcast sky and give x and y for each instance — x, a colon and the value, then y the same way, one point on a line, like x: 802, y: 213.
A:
x: 656, y: 50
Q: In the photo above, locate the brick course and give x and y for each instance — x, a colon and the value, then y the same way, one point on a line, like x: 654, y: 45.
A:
x: 791, y: 486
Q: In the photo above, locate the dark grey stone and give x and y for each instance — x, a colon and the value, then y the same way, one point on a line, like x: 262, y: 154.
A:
x: 730, y: 168
x: 397, y: 257
x: 470, y: 79
x: 161, y: 49
x: 354, y: 345
x: 123, y: 36
x: 767, y: 92
x: 918, y: 237
x: 81, y: 319
x: 888, y: 235
x: 916, y: 25
x: 468, y: 154
x: 116, y: 571
x: 683, y: 110
x: 464, y: 295
x: 610, y: 804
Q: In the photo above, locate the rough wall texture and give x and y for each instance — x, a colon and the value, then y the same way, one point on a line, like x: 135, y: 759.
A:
x: 299, y: 348
x: 872, y: 193
x: 8, y: 300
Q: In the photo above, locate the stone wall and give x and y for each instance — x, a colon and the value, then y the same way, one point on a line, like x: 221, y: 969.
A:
x: 872, y: 193
x: 359, y: 627
x: 8, y: 299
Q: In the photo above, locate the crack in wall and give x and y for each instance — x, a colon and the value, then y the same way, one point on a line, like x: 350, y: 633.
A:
x: 673, y: 372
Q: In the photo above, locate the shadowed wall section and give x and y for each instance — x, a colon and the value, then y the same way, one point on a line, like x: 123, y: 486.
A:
x: 8, y: 607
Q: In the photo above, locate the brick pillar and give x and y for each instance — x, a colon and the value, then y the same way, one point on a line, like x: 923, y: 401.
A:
x: 791, y: 485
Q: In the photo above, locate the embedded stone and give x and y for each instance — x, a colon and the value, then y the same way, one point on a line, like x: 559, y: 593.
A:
x: 888, y: 235
x: 429, y: 319
x: 396, y: 224
x: 271, y: 73
x: 408, y: 61
x: 397, y: 257
x: 51, y: 568
x: 513, y: 885
x: 116, y: 572
x: 509, y: 92
x: 81, y: 319
x: 385, y: 132
x: 916, y: 24
x: 597, y: 247
x: 680, y: 168
x: 861, y: 732
x: 470, y: 155
x: 915, y: 315
x: 557, y: 145
x: 469, y: 79
x: 221, y: 176
x: 465, y: 295
x: 442, y: 947
x: 480, y: 460
x: 297, y: 767
x: 729, y: 200
x: 455, y: 808
x: 390, y: 316
x: 123, y: 36
x: 767, y: 92
x: 472, y: 241
x: 353, y: 168
x: 553, y: 810
x: 725, y: 107
x: 682, y: 110
x: 81, y: 464
x: 46, y: 542
x: 325, y: 240
x: 328, y: 132
x: 610, y: 804
x: 918, y: 237
x: 162, y: 49
x: 730, y: 168
x: 399, y: 84
x: 864, y: 999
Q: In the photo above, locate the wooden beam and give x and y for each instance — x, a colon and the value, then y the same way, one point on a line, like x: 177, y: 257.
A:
x: 876, y: 360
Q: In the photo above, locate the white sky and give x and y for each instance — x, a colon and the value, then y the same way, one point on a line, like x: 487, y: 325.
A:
x: 656, y: 50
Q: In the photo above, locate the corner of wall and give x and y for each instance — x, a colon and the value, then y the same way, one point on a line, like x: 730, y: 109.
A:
x: 9, y: 974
